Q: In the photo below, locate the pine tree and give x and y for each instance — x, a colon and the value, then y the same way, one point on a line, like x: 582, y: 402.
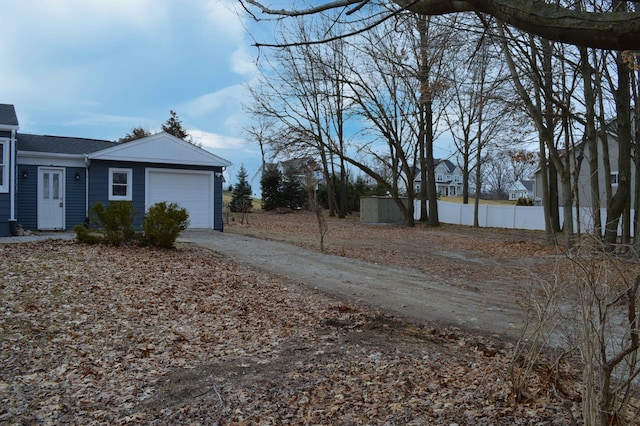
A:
x: 293, y: 192
x: 174, y: 127
x: 271, y: 184
x: 241, y: 199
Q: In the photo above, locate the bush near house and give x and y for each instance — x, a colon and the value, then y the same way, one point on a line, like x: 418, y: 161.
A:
x: 114, y: 224
x: 115, y: 221
x: 163, y: 223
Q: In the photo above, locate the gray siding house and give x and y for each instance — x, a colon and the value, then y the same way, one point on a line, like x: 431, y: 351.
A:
x: 52, y: 181
x: 584, y: 190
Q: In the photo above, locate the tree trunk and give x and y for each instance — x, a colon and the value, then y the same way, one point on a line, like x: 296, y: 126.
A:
x: 591, y: 141
x: 636, y: 196
x: 620, y: 202
x: 432, y: 192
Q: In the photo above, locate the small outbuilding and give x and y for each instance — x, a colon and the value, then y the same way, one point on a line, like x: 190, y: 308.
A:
x: 377, y: 209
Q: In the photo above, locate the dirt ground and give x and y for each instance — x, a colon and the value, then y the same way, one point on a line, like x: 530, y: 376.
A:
x: 131, y: 335
x: 478, y: 279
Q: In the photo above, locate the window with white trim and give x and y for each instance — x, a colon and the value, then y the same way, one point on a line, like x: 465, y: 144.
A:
x: 456, y: 178
x: 439, y: 177
x: 4, y: 166
x: 120, y: 184
x: 614, y: 179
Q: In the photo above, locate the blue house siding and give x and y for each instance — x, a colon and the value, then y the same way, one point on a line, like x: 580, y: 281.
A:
x: 27, y: 197
x: 5, y: 214
x: 218, y: 220
x: 99, y: 185
x: 75, y: 201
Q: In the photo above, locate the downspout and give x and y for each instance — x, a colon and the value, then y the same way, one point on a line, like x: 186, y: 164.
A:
x: 86, y: 188
x: 13, y: 225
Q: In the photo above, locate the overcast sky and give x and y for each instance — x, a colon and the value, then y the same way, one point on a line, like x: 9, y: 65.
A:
x: 99, y: 68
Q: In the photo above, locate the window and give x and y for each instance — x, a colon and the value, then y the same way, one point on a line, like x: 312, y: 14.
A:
x: 456, y: 178
x: 439, y: 177
x: 614, y: 179
x: 4, y: 166
x: 119, y: 184
x: 448, y: 178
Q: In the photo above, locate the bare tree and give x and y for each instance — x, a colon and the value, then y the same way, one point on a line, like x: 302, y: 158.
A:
x: 401, y: 75
x: 480, y: 113
x: 299, y: 91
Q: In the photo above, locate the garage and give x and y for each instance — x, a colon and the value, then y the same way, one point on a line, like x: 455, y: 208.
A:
x: 158, y: 168
x: 190, y: 189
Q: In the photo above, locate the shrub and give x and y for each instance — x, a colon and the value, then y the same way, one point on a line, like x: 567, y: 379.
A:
x: 86, y: 235
x: 115, y: 220
x: 163, y: 223
x: 524, y: 201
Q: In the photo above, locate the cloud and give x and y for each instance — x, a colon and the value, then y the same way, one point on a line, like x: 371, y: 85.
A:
x: 216, y: 141
x: 220, y: 101
x: 225, y: 18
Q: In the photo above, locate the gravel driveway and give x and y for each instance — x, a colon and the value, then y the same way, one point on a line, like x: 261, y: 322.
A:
x: 406, y: 292
x: 403, y: 291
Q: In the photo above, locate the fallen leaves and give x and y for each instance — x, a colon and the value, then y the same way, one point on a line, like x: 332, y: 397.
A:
x: 106, y: 335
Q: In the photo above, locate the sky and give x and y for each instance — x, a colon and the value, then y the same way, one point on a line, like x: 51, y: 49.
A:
x: 99, y: 68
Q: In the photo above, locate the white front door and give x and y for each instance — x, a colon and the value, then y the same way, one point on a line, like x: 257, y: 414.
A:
x: 51, y: 198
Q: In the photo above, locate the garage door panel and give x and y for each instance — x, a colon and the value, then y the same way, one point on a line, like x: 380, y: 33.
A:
x: 190, y: 190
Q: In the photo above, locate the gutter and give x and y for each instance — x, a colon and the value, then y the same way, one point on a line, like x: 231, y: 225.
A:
x: 12, y: 184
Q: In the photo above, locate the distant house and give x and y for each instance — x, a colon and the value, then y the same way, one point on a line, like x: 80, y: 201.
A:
x: 521, y: 189
x: 302, y: 169
x: 584, y: 188
x: 51, y: 182
x: 448, y: 179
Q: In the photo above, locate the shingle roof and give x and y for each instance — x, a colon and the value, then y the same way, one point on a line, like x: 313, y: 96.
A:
x: 448, y: 164
x: 60, y: 144
x: 527, y: 184
x: 8, y: 115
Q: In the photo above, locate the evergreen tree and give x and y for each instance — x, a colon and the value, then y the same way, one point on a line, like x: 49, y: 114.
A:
x: 174, y: 127
x: 271, y: 183
x: 135, y: 133
x: 294, y: 195
x: 241, y: 199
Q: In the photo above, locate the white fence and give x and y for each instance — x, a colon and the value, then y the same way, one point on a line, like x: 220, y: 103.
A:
x: 510, y: 217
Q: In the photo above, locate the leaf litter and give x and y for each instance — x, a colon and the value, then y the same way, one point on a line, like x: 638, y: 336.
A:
x: 124, y: 335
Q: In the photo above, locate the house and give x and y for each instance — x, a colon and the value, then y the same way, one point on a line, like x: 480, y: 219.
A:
x: 51, y: 182
x: 583, y: 186
x: 301, y: 169
x: 521, y: 189
x: 448, y: 179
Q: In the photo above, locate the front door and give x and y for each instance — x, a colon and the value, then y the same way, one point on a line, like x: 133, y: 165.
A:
x: 51, y: 198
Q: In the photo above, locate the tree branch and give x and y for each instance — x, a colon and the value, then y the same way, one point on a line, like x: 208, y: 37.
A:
x: 604, y: 30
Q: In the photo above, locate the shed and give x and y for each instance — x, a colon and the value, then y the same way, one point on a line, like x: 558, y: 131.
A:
x: 381, y: 210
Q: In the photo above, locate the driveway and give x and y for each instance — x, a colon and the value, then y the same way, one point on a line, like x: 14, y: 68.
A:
x: 401, y: 291
x: 405, y: 292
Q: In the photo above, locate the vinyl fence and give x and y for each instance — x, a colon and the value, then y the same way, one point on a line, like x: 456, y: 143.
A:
x: 509, y: 217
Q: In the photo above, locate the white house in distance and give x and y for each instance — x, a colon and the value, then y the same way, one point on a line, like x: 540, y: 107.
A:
x: 448, y: 179
x: 521, y: 189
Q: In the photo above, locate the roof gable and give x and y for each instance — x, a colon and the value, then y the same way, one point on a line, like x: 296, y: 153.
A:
x: 160, y: 148
x: 8, y: 117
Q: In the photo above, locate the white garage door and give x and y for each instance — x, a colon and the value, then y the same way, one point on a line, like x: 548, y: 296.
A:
x: 191, y: 190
